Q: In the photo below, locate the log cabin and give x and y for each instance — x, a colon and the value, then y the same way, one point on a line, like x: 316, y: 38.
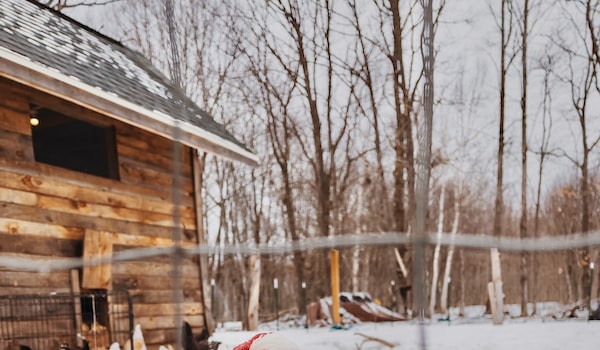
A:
x: 99, y: 156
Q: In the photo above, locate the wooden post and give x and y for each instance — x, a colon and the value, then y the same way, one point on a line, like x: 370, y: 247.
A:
x: 335, y: 286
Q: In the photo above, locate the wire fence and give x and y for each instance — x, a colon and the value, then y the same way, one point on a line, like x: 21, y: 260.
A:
x: 478, y: 242
x: 481, y: 241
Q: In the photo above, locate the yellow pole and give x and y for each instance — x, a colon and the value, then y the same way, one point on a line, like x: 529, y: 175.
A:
x: 335, y: 286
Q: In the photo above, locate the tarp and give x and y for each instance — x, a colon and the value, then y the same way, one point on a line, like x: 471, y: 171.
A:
x: 354, y: 308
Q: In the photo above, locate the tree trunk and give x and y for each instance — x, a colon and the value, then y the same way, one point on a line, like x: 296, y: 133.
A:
x: 436, y: 256
x: 498, y: 316
x: 461, y: 311
x: 495, y: 289
x: 401, y: 111
x: 253, y: 299
x: 424, y: 159
x: 546, y: 114
x: 523, y: 222
x: 448, y: 267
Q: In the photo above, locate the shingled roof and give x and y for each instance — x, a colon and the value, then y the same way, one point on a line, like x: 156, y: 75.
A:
x: 47, y: 50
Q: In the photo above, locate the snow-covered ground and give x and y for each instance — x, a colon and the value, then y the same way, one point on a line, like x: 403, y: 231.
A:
x: 470, y: 333
x: 529, y: 335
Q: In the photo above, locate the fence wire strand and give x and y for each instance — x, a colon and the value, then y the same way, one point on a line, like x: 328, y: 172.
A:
x: 459, y: 240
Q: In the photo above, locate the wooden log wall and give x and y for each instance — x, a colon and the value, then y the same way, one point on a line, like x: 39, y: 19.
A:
x: 46, y: 211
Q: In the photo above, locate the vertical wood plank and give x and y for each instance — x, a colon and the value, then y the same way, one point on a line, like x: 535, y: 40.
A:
x: 97, y: 244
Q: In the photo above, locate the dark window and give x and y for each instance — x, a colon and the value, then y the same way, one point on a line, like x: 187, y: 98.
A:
x: 73, y: 144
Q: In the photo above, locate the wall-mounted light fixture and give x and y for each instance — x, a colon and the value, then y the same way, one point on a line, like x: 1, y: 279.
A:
x: 33, y: 115
x: 34, y: 121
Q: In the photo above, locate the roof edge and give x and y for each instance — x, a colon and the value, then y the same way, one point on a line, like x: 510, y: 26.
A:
x: 19, y: 68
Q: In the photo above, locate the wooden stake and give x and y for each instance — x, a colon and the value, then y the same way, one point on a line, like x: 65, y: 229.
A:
x: 335, y: 286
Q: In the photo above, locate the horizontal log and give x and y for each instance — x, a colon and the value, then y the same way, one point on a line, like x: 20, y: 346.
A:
x: 14, y: 120
x: 152, y: 268
x: 148, y: 142
x: 52, y: 279
x: 41, y: 246
x: 85, y: 180
x: 34, y: 241
x: 143, y: 296
x: 164, y: 309
x: 84, y: 208
x: 33, y: 214
x: 10, y: 290
x: 15, y: 102
x: 152, y: 158
x: 134, y: 173
x: 89, y: 193
x: 145, y: 282
x: 16, y: 227
x: 16, y: 146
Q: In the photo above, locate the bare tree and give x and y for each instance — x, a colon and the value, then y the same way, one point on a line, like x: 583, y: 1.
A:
x: 581, y: 78
x: 276, y: 101
x: 524, y: 209
x: 436, y: 253
x: 505, y: 35
x: 363, y: 70
x: 448, y: 266
x: 546, y: 64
